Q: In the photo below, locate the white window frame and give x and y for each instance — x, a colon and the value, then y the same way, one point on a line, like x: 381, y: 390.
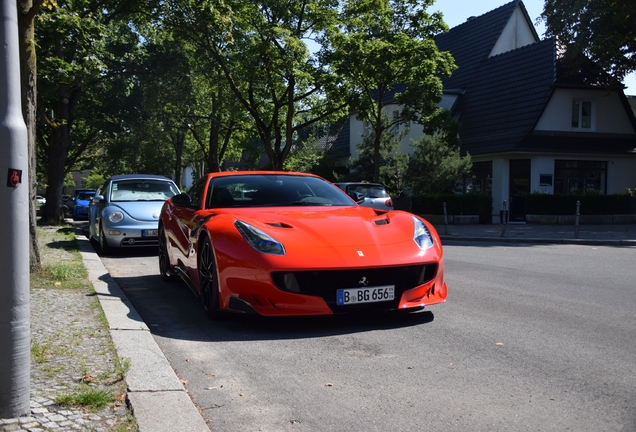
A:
x: 592, y: 122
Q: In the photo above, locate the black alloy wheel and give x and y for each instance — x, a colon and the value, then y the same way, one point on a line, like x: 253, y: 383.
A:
x: 103, y: 244
x: 164, y: 261
x: 208, y: 280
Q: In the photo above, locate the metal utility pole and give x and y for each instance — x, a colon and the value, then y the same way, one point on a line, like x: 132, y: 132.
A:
x: 15, y: 336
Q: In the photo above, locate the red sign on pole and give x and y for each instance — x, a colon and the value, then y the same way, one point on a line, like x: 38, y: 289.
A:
x: 14, y: 178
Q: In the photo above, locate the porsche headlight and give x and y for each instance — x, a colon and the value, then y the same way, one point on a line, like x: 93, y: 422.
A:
x: 422, y: 235
x: 116, y: 216
x: 259, y: 240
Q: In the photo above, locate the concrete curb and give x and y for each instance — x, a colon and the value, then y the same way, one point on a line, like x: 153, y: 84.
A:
x: 157, y: 397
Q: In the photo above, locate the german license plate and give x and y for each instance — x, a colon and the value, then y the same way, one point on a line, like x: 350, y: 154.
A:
x: 365, y: 295
x: 149, y: 233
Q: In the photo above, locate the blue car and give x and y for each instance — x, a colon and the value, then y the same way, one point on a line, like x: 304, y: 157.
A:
x: 81, y: 203
x: 125, y: 211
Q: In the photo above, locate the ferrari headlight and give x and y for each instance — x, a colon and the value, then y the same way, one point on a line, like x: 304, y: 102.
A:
x: 259, y: 240
x: 116, y: 216
x: 422, y: 235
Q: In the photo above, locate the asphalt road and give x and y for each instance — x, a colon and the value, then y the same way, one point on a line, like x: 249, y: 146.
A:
x: 532, y: 338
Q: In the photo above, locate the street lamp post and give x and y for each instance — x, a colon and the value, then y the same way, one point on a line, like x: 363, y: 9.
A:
x: 14, y: 226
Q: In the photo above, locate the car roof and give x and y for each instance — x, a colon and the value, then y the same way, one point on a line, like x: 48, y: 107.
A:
x: 137, y: 177
x: 261, y: 172
x: 358, y: 183
x: 247, y: 172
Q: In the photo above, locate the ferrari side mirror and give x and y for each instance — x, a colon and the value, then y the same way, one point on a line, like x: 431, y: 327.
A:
x: 182, y: 200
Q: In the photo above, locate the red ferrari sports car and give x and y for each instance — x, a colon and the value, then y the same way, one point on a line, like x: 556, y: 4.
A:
x: 283, y: 243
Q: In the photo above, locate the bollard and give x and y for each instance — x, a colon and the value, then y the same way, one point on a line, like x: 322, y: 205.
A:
x: 576, y: 219
x: 445, y: 220
x: 504, y: 219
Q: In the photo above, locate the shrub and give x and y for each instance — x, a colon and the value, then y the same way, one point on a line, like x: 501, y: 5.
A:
x: 467, y: 204
x: 544, y: 204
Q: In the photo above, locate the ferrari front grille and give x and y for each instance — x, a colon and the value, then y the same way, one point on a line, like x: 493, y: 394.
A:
x: 325, y: 283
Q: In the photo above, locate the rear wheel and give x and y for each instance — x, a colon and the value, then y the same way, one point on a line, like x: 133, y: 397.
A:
x: 208, y: 280
x: 164, y: 261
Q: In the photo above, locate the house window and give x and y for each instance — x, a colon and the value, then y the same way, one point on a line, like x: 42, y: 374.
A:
x: 581, y: 114
x: 480, y: 179
x: 580, y: 177
x: 396, y: 121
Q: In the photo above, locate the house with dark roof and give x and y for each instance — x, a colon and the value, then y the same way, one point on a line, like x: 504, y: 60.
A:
x: 527, y: 127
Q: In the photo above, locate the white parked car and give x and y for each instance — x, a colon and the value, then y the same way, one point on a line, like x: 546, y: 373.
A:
x: 372, y: 194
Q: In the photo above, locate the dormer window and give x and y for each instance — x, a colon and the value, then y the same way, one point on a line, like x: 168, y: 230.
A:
x: 581, y: 114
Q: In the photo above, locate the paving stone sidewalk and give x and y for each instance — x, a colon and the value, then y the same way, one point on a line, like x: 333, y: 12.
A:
x: 70, y: 351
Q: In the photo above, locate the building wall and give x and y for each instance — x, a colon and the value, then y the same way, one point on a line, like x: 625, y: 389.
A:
x: 608, y: 113
x: 516, y: 34
x: 621, y: 174
x: 358, y: 131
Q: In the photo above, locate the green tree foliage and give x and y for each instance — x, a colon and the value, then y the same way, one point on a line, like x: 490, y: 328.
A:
x: 436, y: 164
x: 602, y: 31
x: 94, y: 181
x: 187, y: 92
x: 393, y: 164
x: 164, y: 101
x: 84, y: 49
x: 385, y: 53
x: 261, y: 50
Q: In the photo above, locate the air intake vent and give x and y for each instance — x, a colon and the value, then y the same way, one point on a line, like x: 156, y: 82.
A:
x: 278, y: 225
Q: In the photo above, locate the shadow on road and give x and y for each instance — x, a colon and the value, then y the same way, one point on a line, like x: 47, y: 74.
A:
x: 171, y: 310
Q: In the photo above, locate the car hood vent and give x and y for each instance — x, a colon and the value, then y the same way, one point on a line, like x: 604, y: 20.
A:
x: 279, y: 225
x: 383, y: 221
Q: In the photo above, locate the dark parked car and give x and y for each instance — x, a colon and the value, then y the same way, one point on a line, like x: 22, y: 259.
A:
x: 69, y: 204
x: 81, y: 203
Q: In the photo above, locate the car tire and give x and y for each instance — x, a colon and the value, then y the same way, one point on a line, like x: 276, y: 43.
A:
x: 103, y: 244
x: 164, y: 260
x: 208, y: 279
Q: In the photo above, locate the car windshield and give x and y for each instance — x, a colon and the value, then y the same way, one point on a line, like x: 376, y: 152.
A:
x: 85, y: 196
x: 274, y: 191
x: 142, y: 190
x: 370, y: 191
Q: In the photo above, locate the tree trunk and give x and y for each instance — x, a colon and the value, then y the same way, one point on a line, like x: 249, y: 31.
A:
x: 178, y: 147
x: 214, y: 165
x: 28, y: 74
x: 58, y: 151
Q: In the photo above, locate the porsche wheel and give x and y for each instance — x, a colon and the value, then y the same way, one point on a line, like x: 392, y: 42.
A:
x: 208, y: 280
x: 164, y: 261
x: 103, y: 244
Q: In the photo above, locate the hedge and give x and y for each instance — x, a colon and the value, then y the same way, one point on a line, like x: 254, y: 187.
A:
x: 468, y: 204
x: 544, y: 204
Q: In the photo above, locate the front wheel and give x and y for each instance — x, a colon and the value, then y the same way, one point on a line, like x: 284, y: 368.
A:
x: 164, y: 260
x: 208, y: 280
x: 103, y: 244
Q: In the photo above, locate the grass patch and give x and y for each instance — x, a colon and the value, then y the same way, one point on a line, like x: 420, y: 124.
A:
x: 39, y: 352
x: 87, y: 398
x: 52, y: 371
x: 65, y: 275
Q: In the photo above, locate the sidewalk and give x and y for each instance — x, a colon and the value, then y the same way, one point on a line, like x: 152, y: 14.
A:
x: 607, y: 235
x: 154, y: 393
